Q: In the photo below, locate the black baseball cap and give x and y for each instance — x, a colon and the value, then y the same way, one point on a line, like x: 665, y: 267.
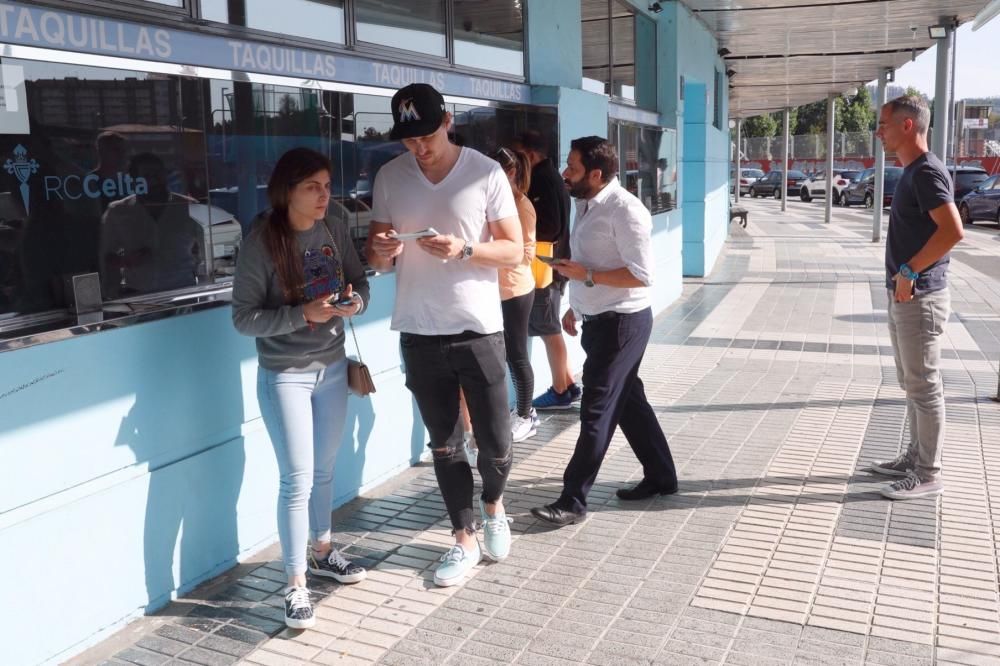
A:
x: 417, y: 110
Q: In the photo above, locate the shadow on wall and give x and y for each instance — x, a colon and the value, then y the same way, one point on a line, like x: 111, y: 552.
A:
x: 190, y: 528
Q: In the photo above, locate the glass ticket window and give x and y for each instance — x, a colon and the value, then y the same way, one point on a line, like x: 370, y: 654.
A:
x: 647, y: 163
x: 103, y: 171
x: 490, y: 35
x: 403, y: 24
x: 322, y: 20
x: 621, y: 46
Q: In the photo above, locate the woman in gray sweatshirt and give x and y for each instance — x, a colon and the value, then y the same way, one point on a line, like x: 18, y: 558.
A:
x: 298, y: 278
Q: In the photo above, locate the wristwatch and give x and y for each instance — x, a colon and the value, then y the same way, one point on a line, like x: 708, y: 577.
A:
x: 466, y: 252
x: 589, y: 281
x: 908, y: 272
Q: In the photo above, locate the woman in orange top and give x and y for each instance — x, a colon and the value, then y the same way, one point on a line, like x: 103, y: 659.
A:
x: 517, y: 294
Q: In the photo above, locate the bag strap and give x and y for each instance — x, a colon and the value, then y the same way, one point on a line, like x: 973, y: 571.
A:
x: 350, y: 321
x: 353, y: 335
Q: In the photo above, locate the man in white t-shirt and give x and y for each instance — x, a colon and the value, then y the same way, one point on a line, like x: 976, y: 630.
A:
x: 447, y: 307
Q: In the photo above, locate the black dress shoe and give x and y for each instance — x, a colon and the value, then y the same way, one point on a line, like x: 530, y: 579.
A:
x: 552, y: 514
x: 644, y: 490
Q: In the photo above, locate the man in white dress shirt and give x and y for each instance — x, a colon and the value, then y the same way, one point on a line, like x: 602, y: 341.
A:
x: 610, y: 277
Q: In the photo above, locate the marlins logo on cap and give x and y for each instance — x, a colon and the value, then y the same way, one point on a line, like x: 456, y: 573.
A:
x: 407, y: 111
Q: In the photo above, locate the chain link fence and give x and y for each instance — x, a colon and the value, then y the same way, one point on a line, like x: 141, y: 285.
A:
x: 809, y: 146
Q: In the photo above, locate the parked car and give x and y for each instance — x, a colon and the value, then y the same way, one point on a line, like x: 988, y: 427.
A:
x: 982, y: 203
x: 747, y: 178
x: 966, y: 179
x: 863, y: 191
x: 770, y: 185
x: 815, y: 187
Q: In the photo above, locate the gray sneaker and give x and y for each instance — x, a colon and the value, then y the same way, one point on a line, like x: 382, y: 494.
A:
x: 900, y: 466
x: 911, y: 487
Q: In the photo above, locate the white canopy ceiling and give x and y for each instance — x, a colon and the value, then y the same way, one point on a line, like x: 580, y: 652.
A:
x: 786, y: 53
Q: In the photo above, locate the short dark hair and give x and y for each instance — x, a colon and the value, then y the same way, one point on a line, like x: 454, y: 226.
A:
x: 534, y: 141
x: 913, y: 107
x: 597, y: 153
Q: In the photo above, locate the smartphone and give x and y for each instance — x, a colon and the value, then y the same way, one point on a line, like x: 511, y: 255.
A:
x: 345, y: 301
x: 424, y: 233
x: 547, y: 260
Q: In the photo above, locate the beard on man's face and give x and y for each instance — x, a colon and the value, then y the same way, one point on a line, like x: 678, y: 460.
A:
x: 578, y: 189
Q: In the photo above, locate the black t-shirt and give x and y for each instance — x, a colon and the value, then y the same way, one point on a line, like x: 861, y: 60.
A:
x: 924, y: 185
x: 551, y: 201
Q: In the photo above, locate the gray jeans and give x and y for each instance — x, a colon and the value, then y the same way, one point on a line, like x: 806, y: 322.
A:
x: 915, y: 329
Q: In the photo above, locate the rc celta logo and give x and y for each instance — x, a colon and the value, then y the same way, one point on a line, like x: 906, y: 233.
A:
x: 73, y: 187
x: 407, y: 112
x: 22, y: 168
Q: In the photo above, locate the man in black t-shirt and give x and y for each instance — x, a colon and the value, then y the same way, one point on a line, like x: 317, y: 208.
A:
x: 923, y: 227
x: 550, y: 198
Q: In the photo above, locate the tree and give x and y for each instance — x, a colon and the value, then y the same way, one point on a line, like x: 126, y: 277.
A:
x: 910, y: 90
x: 763, y: 125
x: 857, y: 113
x: 811, y: 118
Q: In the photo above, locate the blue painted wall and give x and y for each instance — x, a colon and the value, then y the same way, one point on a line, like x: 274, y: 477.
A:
x: 140, y: 453
x: 688, y: 50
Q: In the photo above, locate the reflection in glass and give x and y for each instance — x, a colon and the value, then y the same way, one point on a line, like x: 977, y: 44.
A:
x: 490, y: 35
x: 402, y: 24
x: 322, y: 20
x: 647, y: 163
x: 596, y: 33
x: 116, y: 183
x: 215, y: 10
x: 149, y: 240
x: 625, y: 54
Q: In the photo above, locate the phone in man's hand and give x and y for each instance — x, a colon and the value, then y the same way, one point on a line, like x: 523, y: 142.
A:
x: 547, y: 260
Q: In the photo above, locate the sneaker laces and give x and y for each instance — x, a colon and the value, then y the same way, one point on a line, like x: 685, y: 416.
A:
x: 298, y: 597
x: 908, y: 482
x: 336, y: 559
x: 454, y: 555
x: 494, y: 525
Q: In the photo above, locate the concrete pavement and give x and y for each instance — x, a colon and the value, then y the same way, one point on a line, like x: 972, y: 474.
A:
x: 775, y: 383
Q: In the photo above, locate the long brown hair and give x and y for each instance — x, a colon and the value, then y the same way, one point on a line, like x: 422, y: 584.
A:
x: 517, y: 161
x: 292, y: 168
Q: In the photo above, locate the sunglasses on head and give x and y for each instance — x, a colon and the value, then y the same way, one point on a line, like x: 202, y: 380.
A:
x: 505, y: 157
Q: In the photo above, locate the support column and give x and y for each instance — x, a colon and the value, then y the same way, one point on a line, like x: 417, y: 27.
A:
x: 784, y: 160
x: 942, y: 94
x: 879, y: 162
x: 739, y: 139
x: 831, y: 109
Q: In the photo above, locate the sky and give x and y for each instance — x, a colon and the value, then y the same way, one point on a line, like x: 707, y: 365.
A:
x: 976, y: 70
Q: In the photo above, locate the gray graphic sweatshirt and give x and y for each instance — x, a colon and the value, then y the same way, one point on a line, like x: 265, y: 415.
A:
x: 285, y: 341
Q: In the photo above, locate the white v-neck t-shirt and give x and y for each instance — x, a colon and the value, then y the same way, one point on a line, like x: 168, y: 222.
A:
x: 434, y: 297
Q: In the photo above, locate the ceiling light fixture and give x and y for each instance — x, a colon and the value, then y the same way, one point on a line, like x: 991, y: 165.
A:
x: 937, y: 31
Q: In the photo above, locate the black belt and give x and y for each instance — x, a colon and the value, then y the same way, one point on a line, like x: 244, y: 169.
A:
x: 610, y: 314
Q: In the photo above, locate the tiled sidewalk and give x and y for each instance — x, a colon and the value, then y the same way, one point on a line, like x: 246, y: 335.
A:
x: 776, y: 385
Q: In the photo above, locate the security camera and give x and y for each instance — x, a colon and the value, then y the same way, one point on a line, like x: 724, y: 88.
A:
x: 655, y: 7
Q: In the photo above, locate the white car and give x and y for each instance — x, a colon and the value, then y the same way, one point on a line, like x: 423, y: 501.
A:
x: 747, y: 178
x: 815, y: 187
x: 224, y: 238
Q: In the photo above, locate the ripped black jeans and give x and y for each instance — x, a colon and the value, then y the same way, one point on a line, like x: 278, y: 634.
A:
x: 436, y: 366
